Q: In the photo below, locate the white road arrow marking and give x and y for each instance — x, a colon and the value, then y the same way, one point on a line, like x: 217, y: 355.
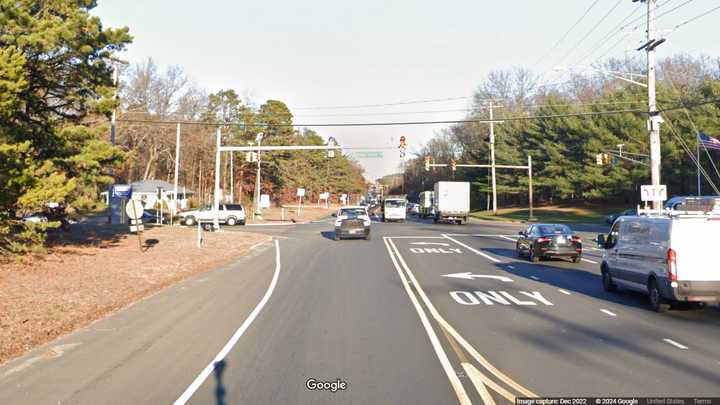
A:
x: 430, y: 243
x: 469, y: 276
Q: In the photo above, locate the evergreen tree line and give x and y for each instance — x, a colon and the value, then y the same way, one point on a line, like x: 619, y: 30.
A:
x: 564, y: 127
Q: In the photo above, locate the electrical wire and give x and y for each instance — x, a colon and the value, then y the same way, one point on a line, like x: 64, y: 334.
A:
x: 579, y: 20
x: 681, y: 105
x: 591, y: 31
x: 693, y: 19
x: 433, y: 100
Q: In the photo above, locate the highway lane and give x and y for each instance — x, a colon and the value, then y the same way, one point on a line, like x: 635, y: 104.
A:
x: 379, y: 315
x: 582, y: 344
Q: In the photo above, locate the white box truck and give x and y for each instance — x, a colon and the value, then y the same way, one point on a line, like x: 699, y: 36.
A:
x: 451, y: 201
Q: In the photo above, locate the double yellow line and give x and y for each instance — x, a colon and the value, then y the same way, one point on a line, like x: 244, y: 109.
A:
x: 459, y: 345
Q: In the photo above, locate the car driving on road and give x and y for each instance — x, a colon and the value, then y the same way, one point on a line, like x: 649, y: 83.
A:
x: 610, y: 219
x: 229, y: 214
x: 549, y: 240
x: 352, y: 222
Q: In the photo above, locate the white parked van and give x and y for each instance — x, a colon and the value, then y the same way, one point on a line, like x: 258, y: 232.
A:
x: 670, y: 257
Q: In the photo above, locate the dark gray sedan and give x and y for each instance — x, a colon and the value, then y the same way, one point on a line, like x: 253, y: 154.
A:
x: 549, y: 240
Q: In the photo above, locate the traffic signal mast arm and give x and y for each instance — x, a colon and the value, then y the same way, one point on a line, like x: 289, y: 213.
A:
x: 470, y: 165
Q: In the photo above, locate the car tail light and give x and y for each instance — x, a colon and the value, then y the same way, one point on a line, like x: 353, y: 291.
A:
x: 543, y: 239
x: 672, y: 265
x: 577, y: 239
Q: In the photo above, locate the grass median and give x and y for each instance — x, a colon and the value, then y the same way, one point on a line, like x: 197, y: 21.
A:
x: 553, y: 214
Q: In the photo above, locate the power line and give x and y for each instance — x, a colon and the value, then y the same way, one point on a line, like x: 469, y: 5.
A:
x: 696, y: 18
x: 597, y: 45
x: 591, y: 30
x: 432, y: 100
x: 396, y: 123
x: 525, y: 106
x: 537, y: 63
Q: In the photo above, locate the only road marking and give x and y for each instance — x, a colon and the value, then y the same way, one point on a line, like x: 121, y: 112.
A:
x: 497, y: 297
x: 436, y: 250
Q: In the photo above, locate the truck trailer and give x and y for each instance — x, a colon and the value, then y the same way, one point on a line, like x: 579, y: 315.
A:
x: 451, y: 201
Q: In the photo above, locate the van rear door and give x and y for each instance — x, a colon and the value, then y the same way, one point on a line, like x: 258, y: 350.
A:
x: 695, y: 241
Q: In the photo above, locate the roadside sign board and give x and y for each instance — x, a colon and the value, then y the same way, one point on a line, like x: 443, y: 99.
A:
x: 134, y: 209
x: 121, y: 191
x: 301, y: 192
x: 325, y: 195
x: 264, y: 200
x: 653, y: 193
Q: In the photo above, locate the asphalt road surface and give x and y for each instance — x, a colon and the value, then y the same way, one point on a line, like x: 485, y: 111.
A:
x: 421, y: 314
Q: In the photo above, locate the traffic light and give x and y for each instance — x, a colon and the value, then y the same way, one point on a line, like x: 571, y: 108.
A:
x: 599, y: 159
x: 605, y: 159
x: 427, y: 163
x: 402, y: 146
x: 453, y: 165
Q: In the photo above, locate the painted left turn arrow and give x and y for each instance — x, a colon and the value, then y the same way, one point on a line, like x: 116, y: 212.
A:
x: 469, y: 276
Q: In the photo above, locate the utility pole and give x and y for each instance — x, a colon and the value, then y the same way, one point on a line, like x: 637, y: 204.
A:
x: 177, y: 167
x: 216, y: 205
x: 492, y: 159
x: 258, y: 211
x: 232, y: 179
x: 654, y: 119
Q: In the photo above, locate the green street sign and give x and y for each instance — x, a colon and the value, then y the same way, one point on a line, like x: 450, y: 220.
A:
x: 368, y: 154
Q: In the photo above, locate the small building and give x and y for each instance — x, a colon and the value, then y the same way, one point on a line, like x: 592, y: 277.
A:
x: 147, y: 192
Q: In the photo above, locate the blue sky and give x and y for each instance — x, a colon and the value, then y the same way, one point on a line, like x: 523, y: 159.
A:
x: 336, y: 53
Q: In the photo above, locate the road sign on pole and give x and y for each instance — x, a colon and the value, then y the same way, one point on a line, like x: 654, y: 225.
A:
x: 653, y: 193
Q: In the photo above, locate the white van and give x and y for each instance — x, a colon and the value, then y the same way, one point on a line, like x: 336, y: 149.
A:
x: 394, y: 209
x: 672, y: 257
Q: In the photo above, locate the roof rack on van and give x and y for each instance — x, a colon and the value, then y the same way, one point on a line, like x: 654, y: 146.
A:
x: 677, y: 213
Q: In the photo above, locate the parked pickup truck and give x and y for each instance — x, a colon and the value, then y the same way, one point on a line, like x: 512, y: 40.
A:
x: 229, y: 214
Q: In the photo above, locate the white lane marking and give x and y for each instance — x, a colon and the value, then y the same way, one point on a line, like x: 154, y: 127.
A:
x: 439, y: 351
x: 235, y: 337
x: 508, y: 238
x: 588, y: 260
x: 676, y: 344
x: 608, y: 312
x: 534, y: 278
x: 469, y: 276
x: 565, y: 292
x: 464, y: 343
x: 476, y: 378
x: 473, y: 250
